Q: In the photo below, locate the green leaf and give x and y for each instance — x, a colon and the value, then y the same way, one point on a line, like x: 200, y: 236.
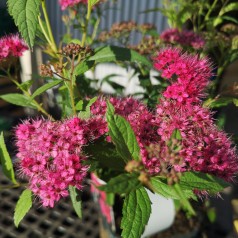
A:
x: 79, y: 105
x: 83, y: 67
x: 23, y: 206
x: 18, y: 99
x: 45, y: 87
x: 76, y: 200
x: 26, y: 85
x: 110, y: 199
x: 136, y: 212
x: 230, y: 7
x: 25, y: 14
x: 202, y: 181
x: 162, y: 188
x: 91, y: 3
x: 5, y: 161
x: 235, y: 101
x: 105, y: 156
x: 86, y: 114
x: 122, y: 135
x: 115, y: 53
x: 123, y: 183
x: 176, y: 135
x: 220, y: 102
x: 184, y: 200
x: 231, y: 19
x: 184, y: 15
x: 217, y: 21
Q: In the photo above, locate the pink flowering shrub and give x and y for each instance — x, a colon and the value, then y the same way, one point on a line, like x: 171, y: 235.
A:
x: 167, y: 142
x: 50, y: 154
x: 70, y: 3
x: 11, y: 45
x: 184, y: 38
x: 189, y: 75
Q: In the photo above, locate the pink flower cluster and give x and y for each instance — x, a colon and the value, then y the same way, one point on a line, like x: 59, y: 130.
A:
x: 135, y: 112
x: 189, y: 75
x: 50, y: 154
x: 204, y: 147
x: 11, y: 45
x: 70, y: 3
x: 184, y: 38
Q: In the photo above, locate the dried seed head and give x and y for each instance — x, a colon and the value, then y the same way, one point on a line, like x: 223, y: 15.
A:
x: 58, y: 68
x: 75, y: 49
x: 132, y: 166
x: 46, y: 71
x: 71, y: 49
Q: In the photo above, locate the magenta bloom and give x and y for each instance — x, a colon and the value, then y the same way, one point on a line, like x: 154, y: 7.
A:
x: 205, y: 148
x: 137, y: 114
x: 11, y: 45
x: 70, y: 3
x: 184, y: 38
x: 50, y: 154
x: 189, y: 75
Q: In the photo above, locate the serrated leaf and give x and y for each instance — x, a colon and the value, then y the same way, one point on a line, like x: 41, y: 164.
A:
x: 163, y: 188
x: 25, y: 14
x: 23, y: 206
x: 76, y: 200
x: 18, y: 99
x: 122, y: 135
x: 83, y: 67
x: 123, y: 183
x: 5, y: 161
x: 202, y: 181
x: 45, y: 87
x: 115, y: 53
x: 136, y: 212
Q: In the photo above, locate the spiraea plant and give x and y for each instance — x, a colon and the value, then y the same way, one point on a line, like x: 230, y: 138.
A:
x: 173, y: 148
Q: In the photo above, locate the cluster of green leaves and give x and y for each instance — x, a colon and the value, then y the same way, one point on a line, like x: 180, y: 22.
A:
x: 26, y: 99
x: 201, y: 13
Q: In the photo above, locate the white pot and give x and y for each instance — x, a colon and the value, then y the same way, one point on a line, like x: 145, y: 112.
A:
x: 161, y: 218
x: 162, y: 215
